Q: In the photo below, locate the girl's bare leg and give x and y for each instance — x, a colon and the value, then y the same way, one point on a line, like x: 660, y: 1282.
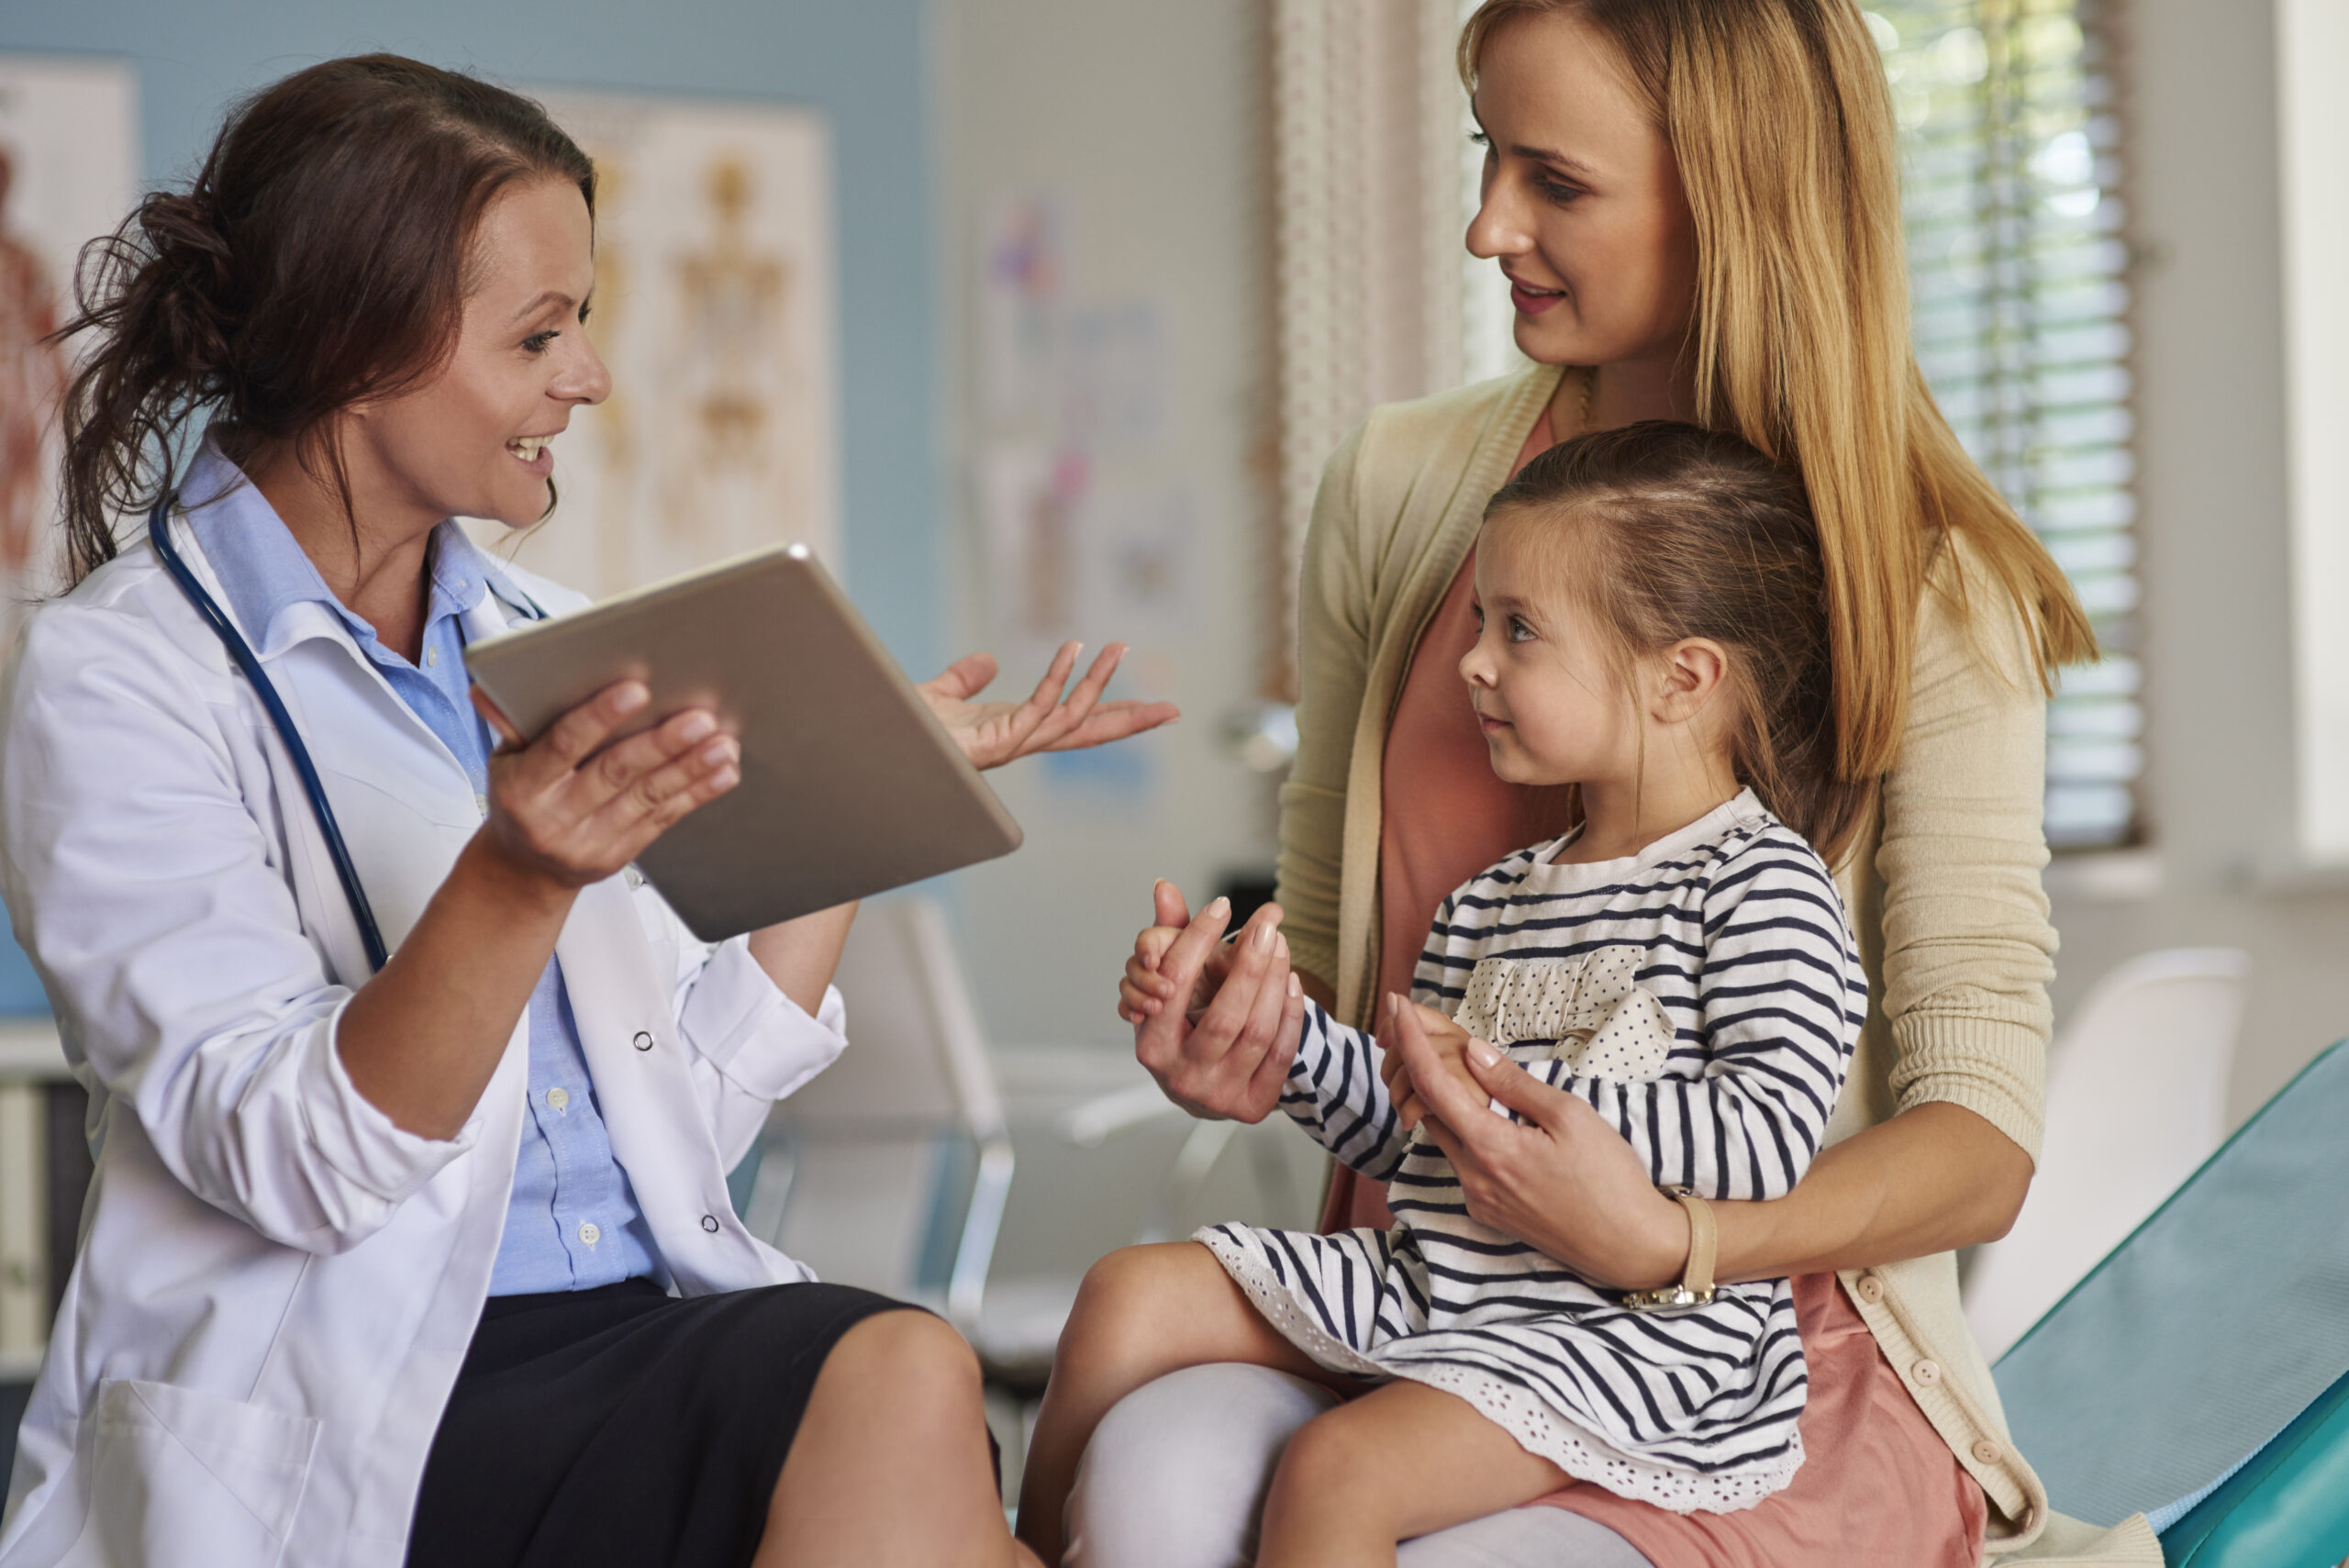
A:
x: 1399, y: 1462
x: 890, y: 1468
x: 1143, y: 1313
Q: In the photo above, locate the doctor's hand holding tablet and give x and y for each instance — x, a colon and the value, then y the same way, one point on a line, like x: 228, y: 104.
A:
x: 578, y: 805
x: 554, y: 814
x: 772, y: 761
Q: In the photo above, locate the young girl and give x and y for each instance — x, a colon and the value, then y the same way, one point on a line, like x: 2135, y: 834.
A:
x: 1652, y: 632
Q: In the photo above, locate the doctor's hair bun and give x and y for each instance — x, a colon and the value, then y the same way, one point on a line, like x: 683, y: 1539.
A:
x: 316, y: 259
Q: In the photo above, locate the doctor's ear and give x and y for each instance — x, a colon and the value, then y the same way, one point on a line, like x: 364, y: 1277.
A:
x: 495, y: 718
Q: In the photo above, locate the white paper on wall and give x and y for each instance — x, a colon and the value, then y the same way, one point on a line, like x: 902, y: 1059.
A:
x: 1020, y: 308
x: 69, y: 172
x: 715, y: 311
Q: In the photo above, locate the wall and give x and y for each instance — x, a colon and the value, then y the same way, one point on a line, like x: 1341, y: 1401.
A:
x: 2218, y: 567
x: 863, y: 64
x: 1144, y: 124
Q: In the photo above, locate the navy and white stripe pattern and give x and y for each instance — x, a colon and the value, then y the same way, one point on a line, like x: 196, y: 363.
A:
x: 1745, y: 946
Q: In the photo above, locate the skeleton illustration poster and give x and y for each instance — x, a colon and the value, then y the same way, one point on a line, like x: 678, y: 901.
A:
x: 713, y: 310
x: 69, y: 152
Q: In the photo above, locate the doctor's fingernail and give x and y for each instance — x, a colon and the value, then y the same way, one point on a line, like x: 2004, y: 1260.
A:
x: 1218, y: 909
x: 630, y: 696
x: 721, y: 750
x: 1485, y: 1054
x: 696, y: 725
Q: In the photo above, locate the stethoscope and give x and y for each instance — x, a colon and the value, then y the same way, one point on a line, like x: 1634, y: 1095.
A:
x: 159, y: 533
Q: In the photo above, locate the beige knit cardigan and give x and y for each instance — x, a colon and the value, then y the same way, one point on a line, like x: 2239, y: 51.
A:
x: 1943, y: 886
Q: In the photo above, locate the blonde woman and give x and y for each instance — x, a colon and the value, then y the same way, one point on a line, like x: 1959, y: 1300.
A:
x: 1695, y: 205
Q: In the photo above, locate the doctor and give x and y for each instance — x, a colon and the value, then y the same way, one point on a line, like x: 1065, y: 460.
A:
x: 433, y: 1262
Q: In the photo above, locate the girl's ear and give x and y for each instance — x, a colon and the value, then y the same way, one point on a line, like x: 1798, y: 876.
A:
x: 1688, y: 674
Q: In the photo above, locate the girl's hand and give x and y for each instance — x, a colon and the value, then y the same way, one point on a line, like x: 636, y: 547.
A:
x: 1563, y: 1181
x: 1230, y: 1062
x: 994, y: 733
x: 1446, y: 1039
x: 570, y: 809
x: 1143, y: 990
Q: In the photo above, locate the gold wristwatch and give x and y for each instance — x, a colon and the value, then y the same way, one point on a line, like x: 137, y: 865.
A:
x: 1696, y: 1286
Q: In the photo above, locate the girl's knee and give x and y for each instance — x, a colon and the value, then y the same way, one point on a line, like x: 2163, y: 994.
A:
x: 1333, y: 1462
x: 1134, y: 1284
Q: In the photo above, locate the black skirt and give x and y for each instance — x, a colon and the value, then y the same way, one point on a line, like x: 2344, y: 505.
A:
x: 621, y: 1427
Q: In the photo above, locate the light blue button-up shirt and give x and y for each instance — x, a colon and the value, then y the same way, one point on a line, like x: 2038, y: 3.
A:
x: 574, y: 1222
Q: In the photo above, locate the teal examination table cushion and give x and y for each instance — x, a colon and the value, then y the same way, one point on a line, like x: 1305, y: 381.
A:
x: 2199, y: 1375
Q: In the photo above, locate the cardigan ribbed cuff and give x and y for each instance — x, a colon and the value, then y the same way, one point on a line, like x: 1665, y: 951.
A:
x: 1995, y: 1067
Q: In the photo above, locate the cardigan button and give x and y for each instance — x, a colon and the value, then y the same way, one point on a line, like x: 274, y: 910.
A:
x: 1870, y: 1289
x: 643, y: 1041
x: 709, y: 1223
x: 1987, y: 1453
x: 1927, y: 1372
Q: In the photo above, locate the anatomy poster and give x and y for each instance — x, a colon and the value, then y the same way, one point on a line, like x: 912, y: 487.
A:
x: 713, y: 310
x: 69, y: 172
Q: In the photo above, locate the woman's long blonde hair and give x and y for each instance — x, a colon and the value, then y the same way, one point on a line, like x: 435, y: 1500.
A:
x: 1779, y: 116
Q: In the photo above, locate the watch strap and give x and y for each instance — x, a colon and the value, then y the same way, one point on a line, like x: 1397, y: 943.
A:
x: 1696, y: 1286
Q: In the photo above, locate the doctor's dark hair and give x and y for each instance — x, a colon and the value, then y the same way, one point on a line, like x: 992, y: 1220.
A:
x: 1664, y: 531
x: 318, y: 260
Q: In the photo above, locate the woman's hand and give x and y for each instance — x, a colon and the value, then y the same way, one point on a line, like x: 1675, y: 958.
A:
x: 571, y: 809
x: 1563, y: 1181
x: 1231, y: 1061
x: 994, y: 733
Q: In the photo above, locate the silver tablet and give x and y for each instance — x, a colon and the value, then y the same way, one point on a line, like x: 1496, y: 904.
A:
x: 849, y: 787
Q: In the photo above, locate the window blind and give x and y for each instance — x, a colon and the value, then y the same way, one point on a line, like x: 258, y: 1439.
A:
x: 2018, y: 260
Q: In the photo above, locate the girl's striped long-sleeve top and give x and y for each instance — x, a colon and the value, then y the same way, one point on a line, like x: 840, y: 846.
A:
x: 1704, y: 998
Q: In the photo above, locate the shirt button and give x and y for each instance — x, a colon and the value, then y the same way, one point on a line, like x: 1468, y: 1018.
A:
x: 709, y: 1223
x: 1927, y: 1372
x: 431, y: 656
x: 558, y: 1098
x: 635, y: 878
x: 590, y: 1234
x: 1987, y: 1453
x: 1870, y: 1289
x: 642, y: 1041
x: 481, y: 804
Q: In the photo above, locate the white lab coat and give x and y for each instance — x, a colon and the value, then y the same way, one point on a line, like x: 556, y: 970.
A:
x: 276, y: 1285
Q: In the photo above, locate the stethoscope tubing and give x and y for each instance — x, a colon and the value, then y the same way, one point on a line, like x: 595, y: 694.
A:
x: 159, y: 533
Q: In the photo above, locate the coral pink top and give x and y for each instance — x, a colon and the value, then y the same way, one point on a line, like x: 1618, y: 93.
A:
x: 1878, y: 1484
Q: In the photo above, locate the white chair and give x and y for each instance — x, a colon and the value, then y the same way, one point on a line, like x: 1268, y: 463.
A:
x: 2136, y: 1101
x: 860, y: 1171
x: 862, y: 1175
